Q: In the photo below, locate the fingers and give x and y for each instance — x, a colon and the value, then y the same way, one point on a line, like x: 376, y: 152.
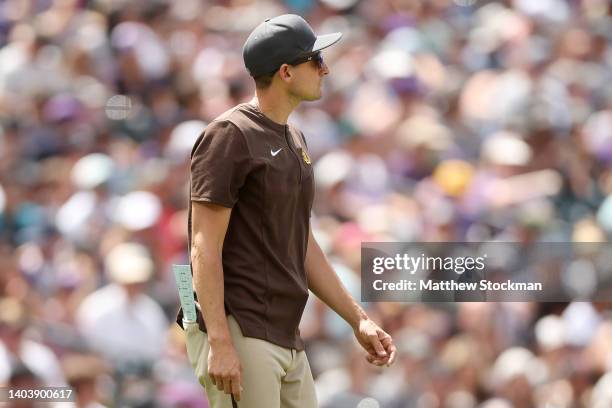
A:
x: 378, y: 347
x: 230, y: 383
x: 390, y: 348
x: 381, y: 350
x: 227, y: 385
x: 392, y: 354
x: 375, y: 360
x: 236, y: 387
x: 217, y: 380
x: 386, y: 340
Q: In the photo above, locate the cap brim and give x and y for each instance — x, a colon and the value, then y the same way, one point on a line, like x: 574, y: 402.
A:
x: 324, y: 41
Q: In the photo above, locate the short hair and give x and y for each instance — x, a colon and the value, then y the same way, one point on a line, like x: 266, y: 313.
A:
x: 264, y: 81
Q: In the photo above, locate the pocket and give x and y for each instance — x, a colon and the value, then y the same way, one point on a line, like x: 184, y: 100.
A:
x: 194, y: 340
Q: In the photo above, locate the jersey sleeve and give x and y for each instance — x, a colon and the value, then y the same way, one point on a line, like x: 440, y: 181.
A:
x: 220, y: 163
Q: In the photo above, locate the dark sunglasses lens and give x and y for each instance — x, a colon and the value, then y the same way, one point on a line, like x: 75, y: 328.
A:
x: 319, y: 59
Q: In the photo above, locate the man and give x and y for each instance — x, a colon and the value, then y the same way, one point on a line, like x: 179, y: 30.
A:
x: 253, y: 254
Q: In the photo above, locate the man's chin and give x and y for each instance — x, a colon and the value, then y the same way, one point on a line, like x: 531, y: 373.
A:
x: 312, y: 98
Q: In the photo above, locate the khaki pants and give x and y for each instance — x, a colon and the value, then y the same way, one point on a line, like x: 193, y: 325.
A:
x: 272, y: 376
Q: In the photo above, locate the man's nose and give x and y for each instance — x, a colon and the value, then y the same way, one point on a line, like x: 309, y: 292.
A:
x: 324, y: 69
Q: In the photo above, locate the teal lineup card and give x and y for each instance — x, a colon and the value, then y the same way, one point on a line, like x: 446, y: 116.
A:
x: 182, y: 275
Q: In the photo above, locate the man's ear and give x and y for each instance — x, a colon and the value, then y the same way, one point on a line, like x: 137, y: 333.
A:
x: 285, y: 72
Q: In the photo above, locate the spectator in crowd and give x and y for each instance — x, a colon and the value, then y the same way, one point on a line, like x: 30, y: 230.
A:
x: 123, y: 307
x: 23, y: 358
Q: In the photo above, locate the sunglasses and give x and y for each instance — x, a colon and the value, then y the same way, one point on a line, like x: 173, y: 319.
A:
x: 317, y: 57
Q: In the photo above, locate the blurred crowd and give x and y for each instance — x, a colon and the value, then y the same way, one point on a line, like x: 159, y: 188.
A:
x: 442, y: 120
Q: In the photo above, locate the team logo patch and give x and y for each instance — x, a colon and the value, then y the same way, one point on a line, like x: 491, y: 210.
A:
x: 305, y: 157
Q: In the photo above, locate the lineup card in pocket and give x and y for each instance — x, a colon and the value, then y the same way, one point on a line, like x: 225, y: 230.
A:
x: 182, y: 276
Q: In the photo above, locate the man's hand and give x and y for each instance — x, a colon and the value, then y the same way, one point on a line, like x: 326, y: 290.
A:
x: 224, y: 369
x: 376, y: 342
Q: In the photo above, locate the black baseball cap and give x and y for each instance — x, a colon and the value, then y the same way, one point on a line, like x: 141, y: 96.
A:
x: 281, y: 40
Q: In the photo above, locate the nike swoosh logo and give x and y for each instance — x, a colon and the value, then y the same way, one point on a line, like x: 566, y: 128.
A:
x: 276, y: 152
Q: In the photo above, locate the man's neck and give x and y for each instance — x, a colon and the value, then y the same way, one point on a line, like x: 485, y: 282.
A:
x: 274, y: 106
